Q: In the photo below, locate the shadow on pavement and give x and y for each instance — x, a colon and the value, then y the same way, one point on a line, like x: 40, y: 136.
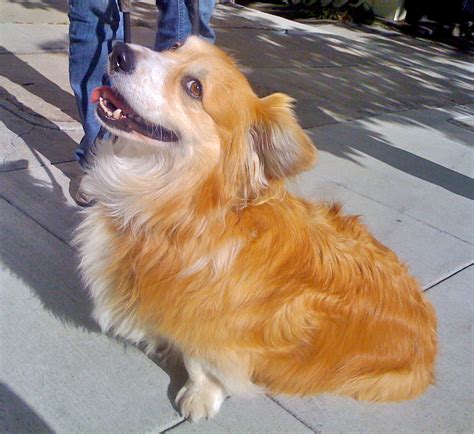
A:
x: 333, y: 77
x: 173, y: 366
x: 18, y: 71
x: 59, y: 5
x: 375, y: 146
x: 30, y: 201
x: 43, y: 137
x: 41, y: 260
x: 16, y: 416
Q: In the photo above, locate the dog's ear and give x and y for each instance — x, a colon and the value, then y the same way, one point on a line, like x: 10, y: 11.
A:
x: 282, y: 146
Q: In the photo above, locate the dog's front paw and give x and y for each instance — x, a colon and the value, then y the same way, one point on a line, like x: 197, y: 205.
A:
x: 199, y: 401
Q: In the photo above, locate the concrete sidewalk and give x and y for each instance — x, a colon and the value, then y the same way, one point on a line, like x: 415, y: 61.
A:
x: 393, y: 118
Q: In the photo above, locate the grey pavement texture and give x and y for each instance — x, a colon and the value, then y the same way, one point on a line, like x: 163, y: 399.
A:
x: 393, y: 118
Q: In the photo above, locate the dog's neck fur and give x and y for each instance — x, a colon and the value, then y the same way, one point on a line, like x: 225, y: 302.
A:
x: 172, y: 190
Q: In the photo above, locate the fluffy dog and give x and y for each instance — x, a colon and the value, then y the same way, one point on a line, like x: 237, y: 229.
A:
x: 194, y: 240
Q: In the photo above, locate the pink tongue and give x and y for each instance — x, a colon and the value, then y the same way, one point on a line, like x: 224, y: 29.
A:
x: 108, y: 93
x: 97, y: 93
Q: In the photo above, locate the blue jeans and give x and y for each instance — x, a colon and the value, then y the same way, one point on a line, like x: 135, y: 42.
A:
x: 95, y: 25
x: 174, y: 22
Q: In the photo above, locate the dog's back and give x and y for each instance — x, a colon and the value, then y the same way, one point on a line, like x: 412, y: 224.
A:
x: 343, y: 315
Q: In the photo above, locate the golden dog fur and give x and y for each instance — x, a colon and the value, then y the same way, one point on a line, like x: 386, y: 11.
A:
x: 210, y: 252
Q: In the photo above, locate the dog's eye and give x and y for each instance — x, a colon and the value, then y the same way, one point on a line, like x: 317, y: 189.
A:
x: 193, y: 87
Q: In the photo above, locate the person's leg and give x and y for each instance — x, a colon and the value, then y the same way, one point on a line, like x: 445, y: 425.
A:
x: 94, y: 25
x: 174, y: 22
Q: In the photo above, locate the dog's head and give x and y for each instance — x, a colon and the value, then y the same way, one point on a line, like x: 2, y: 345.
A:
x: 193, y: 101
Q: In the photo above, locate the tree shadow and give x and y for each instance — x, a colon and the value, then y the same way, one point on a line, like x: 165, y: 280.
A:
x: 352, y: 78
x: 373, y: 145
x: 336, y: 78
x: 58, y: 5
x: 45, y: 140
x: 18, y: 71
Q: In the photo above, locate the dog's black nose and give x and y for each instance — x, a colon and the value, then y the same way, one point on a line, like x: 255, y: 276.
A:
x: 122, y: 58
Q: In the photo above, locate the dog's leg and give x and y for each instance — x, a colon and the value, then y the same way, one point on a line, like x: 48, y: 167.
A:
x: 202, y: 395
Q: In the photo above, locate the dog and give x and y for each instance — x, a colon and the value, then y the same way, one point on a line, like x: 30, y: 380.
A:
x: 194, y: 240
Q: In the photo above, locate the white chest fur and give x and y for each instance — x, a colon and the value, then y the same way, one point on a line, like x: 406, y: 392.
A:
x: 93, y: 240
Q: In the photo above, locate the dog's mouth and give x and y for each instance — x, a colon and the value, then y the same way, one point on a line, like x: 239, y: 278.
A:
x: 114, y: 111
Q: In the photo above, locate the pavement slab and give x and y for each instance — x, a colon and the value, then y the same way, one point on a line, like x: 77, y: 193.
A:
x: 67, y: 375
x: 42, y: 193
x: 337, y: 73
x: 33, y: 38
x: 30, y: 139
x: 324, y: 97
x: 239, y: 415
x: 267, y: 48
x: 238, y: 17
x: 445, y: 407
x: 34, y: 11
x: 44, y: 76
x: 38, y: 111
x: 418, y: 162
x: 430, y: 254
